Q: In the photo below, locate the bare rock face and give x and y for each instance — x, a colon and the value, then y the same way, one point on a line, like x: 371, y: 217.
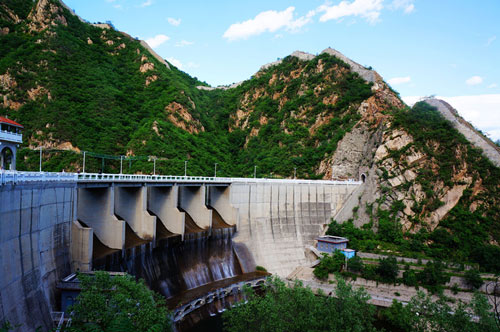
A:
x: 45, y: 14
x: 350, y: 156
x: 180, y: 117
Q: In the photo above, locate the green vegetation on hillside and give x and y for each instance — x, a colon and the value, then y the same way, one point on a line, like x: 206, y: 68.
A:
x: 118, y: 303
x: 296, y: 308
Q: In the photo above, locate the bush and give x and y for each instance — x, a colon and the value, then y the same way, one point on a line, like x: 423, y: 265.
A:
x: 355, y: 264
x: 329, y: 264
x: 433, y: 276
x: 388, y: 269
x: 473, y: 278
x: 410, y: 278
x: 260, y: 268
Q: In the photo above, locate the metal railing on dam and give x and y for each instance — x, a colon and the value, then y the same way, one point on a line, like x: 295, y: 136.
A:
x: 20, y: 177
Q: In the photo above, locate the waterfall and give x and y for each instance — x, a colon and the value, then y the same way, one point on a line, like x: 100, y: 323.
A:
x: 174, y: 266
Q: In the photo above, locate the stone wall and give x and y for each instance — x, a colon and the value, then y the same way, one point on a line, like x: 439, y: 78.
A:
x: 35, y: 231
x: 277, y: 222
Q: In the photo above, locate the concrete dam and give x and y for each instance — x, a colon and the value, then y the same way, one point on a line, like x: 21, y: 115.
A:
x: 178, y: 233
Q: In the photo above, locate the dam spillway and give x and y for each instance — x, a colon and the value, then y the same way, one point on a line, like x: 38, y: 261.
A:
x: 52, y: 224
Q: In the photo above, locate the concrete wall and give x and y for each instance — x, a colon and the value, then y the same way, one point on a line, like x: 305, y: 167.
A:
x: 278, y: 221
x: 96, y: 209
x: 35, y: 226
x: 163, y: 202
x: 192, y: 200
x: 131, y: 206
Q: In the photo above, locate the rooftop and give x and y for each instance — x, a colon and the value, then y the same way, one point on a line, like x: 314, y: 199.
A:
x: 9, y: 121
x: 332, y: 239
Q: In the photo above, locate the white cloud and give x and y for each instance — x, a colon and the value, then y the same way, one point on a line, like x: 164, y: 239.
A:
x: 491, y: 40
x: 183, y: 43
x: 146, y: 3
x: 157, y: 40
x: 173, y: 21
x: 175, y: 62
x: 480, y: 110
x: 367, y: 9
x: 406, y: 5
x: 192, y: 65
x: 118, y: 6
x: 474, y: 80
x: 492, y: 86
x: 268, y: 21
x: 399, y: 80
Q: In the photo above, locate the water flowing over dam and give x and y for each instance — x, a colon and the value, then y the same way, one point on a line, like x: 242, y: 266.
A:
x: 175, y: 266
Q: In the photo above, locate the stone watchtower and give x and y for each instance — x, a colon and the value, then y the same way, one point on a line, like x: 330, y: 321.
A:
x: 10, y: 138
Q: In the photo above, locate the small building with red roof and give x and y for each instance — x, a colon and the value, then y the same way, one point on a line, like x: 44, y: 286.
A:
x: 10, y: 138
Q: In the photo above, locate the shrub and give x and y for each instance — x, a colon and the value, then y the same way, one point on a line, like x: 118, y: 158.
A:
x: 473, y: 278
x: 260, y: 268
x: 355, y: 265
x: 388, y: 269
x: 410, y: 278
x: 433, y: 276
x: 329, y: 264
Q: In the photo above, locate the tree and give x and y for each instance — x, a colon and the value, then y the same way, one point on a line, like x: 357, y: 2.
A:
x: 355, y: 264
x: 473, y: 278
x: 422, y: 314
x: 298, y: 309
x: 493, y: 291
x: 388, y: 269
x: 433, y: 276
x: 329, y: 264
x: 118, y: 303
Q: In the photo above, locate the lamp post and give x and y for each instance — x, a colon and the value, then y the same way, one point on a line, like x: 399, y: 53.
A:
x: 295, y: 173
x: 40, y: 159
x: 154, y: 166
x: 121, y: 165
x: 84, y: 152
x: 255, y: 171
x: 215, y: 171
x: 185, y: 167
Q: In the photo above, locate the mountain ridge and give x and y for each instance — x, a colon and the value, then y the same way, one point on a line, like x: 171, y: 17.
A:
x: 79, y: 87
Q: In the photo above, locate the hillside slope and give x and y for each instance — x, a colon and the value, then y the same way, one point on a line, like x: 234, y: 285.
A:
x: 75, y: 87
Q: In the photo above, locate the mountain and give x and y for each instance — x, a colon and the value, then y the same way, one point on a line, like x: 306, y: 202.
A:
x: 431, y: 185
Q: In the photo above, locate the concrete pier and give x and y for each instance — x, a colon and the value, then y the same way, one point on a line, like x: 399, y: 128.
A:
x: 163, y: 202
x: 131, y: 206
x: 96, y: 209
x: 82, y: 242
x: 219, y: 199
x: 192, y: 199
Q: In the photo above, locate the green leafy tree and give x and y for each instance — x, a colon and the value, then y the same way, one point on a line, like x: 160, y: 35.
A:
x: 329, y: 264
x: 118, y: 303
x: 473, y: 278
x: 388, y: 269
x: 433, y: 276
x: 298, y: 309
x: 355, y: 264
x: 422, y: 314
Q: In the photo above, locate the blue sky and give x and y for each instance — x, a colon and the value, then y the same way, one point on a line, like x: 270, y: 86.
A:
x: 421, y: 47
